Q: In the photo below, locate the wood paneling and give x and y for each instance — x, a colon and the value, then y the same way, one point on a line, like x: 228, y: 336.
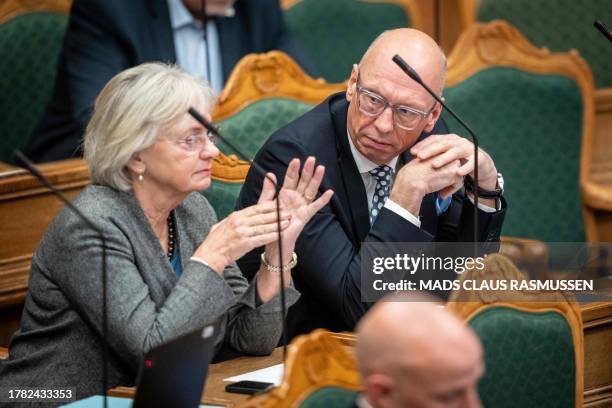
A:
x: 26, y: 209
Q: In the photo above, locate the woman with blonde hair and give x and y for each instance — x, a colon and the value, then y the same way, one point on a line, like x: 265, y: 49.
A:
x: 170, y: 264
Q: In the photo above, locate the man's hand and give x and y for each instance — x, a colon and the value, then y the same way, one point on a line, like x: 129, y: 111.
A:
x: 445, y: 149
x: 419, y: 177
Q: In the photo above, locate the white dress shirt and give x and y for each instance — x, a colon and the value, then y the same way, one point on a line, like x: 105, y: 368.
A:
x: 364, y: 165
x: 190, y: 46
x: 362, y: 402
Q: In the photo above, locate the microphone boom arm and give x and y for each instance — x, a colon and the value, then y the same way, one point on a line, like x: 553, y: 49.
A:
x: 413, y: 74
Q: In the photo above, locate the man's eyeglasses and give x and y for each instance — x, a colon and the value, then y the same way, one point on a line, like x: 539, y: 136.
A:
x: 405, y: 117
x: 196, y: 141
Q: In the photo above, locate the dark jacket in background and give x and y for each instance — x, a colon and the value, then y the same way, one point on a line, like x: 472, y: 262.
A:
x: 105, y: 37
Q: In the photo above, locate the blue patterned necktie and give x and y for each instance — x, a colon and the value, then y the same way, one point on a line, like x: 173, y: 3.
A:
x: 382, y: 174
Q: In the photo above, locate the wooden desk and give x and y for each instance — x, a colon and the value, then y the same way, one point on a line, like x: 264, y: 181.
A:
x: 8, y: 170
x: 26, y: 208
x: 597, y: 320
x: 215, y: 386
x: 214, y: 391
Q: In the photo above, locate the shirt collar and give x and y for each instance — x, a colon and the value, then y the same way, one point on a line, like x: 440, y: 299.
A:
x: 364, y: 165
x: 362, y: 402
x: 179, y: 15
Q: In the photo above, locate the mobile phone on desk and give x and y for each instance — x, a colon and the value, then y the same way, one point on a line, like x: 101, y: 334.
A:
x: 249, y: 387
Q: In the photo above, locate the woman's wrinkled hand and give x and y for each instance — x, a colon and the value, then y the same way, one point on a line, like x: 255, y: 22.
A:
x: 241, y: 232
x: 297, y: 198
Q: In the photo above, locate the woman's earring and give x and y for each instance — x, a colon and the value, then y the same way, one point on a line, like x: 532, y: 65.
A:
x: 141, y: 177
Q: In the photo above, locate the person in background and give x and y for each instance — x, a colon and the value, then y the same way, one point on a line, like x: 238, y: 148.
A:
x: 170, y: 265
x: 412, y: 353
x: 105, y: 37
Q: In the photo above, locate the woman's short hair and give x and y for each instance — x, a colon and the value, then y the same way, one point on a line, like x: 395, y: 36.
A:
x: 130, y: 112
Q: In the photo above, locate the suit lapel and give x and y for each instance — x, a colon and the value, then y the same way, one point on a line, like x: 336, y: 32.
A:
x: 161, y: 32
x: 353, y: 195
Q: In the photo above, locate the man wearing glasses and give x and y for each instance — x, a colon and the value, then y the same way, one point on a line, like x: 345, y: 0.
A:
x: 396, y: 173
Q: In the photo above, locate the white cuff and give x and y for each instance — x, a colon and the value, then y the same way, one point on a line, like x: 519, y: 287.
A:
x: 402, y: 212
x: 486, y: 208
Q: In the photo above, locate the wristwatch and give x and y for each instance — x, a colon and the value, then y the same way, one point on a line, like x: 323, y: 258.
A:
x: 468, y: 183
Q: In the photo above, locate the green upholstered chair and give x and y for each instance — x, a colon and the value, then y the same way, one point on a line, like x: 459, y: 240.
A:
x: 533, y: 111
x: 533, y: 342
x: 559, y: 25
x: 264, y: 93
x: 30, y: 41
x: 222, y: 195
x: 529, y: 358
x: 249, y: 128
x: 335, y: 34
x: 332, y: 397
x: 319, y: 372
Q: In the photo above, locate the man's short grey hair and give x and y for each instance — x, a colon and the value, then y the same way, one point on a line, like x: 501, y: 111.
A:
x: 131, y: 111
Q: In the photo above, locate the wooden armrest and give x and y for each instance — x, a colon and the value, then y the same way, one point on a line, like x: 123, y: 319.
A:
x: 603, y: 100
x: 3, y: 353
x: 526, y: 253
x: 597, y: 196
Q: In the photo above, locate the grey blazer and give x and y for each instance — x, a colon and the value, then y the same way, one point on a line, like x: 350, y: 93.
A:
x: 59, y: 342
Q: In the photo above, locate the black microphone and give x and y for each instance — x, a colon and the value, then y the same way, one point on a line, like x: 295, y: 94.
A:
x: 603, y: 29
x: 34, y: 171
x: 413, y: 74
x: 215, y: 131
x: 198, y: 117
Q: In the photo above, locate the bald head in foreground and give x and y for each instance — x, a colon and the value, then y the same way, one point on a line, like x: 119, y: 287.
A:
x: 396, y: 172
x: 435, y: 360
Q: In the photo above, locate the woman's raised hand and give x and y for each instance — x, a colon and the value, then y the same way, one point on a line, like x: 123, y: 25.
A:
x: 240, y: 232
x: 297, y: 198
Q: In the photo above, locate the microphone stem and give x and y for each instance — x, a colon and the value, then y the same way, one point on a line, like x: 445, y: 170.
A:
x: 282, y: 278
x: 198, y: 117
x: 603, y: 29
x: 415, y: 77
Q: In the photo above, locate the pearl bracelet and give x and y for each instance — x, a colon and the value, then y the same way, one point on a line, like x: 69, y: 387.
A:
x: 277, y: 269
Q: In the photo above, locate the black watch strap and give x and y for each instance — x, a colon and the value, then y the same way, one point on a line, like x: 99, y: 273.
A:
x: 468, y: 183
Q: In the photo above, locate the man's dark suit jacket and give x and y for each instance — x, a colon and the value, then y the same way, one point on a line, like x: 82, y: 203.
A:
x: 105, y: 37
x: 328, y: 272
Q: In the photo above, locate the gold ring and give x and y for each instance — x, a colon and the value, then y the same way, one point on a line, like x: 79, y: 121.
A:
x: 309, y: 198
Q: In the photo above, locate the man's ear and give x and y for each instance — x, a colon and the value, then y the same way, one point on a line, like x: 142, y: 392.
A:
x: 433, y: 117
x: 352, y: 83
x: 136, y: 165
x: 379, y: 390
